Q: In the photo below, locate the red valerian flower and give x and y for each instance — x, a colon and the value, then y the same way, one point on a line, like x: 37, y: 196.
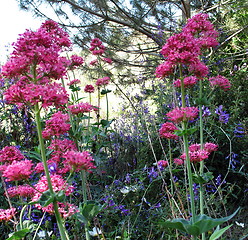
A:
x: 10, y: 153
x: 221, y: 82
x: 182, y: 114
x: 7, y: 214
x: 89, y: 88
x: 57, y: 125
x: 79, y: 160
x: 167, y: 131
x: 80, y: 108
x: 18, y: 170
x: 102, y: 81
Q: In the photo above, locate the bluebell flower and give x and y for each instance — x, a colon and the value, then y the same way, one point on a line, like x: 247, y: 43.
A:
x: 239, y: 130
x: 223, y: 116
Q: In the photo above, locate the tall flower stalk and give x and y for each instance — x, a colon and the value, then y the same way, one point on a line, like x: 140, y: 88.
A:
x: 62, y: 230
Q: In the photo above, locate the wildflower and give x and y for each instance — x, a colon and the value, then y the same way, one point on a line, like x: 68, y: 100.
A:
x: 97, y: 47
x: 58, y: 184
x: 74, y: 82
x: 18, y: 170
x: 162, y: 163
x: 60, y: 147
x: 239, y: 130
x: 10, y: 153
x: 167, y: 130
x: 194, y: 147
x: 89, y: 88
x: 221, y: 82
x: 178, y: 161
x: 42, y: 48
x: 223, y: 116
x: 182, y: 114
x: 107, y: 60
x: 79, y: 161
x: 102, y: 81
x: 187, y: 82
x: 164, y: 69
x: 76, y: 61
x: 21, y: 190
x: 7, y: 214
x: 94, y: 62
x: 95, y: 232
x: 80, y: 108
x: 210, y: 147
x: 203, y: 30
x: 57, y: 125
x: 27, y: 93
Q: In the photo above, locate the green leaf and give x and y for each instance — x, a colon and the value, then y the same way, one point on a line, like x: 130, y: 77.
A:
x: 202, y: 101
x: 185, y: 132
x: 46, y: 198
x: 19, y: 234
x: 88, y: 211
x: 206, y: 177
x: 205, y: 223
x: 218, y: 232
x: 60, y: 196
x: 202, y: 224
x: 105, y: 91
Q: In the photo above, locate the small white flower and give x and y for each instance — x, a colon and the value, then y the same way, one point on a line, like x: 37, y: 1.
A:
x: 240, y: 224
x: 42, y: 234
x: 95, y: 232
x: 125, y: 190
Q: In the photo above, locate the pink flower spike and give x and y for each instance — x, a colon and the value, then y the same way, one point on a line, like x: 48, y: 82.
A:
x: 178, y: 161
x: 188, y: 82
x: 10, y: 153
x: 210, y: 147
x: 79, y: 161
x: 163, y: 163
x: 74, y: 82
x: 80, y: 108
x: 18, y: 171
x: 167, y: 131
x: 7, y: 214
x: 178, y: 115
x: 89, y: 88
x: 102, y: 81
x: 221, y: 82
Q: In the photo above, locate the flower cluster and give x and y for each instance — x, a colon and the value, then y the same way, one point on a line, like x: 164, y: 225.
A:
x: 79, y: 161
x: 89, y: 88
x: 178, y: 115
x: 18, y: 170
x: 74, y: 82
x: 97, y: 47
x: 39, y: 48
x: 223, y: 115
x: 10, y: 154
x: 27, y: 93
x: 56, y: 126
x: 7, y: 214
x: 167, y: 131
x: 80, y: 108
x: 59, y: 184
x: 196, y: 154
x: 21, y: 190
x: 221, y: 82
x: 102, y: 81
x: 185, y: 48
x: 76, y: 61
x: 187, y: 82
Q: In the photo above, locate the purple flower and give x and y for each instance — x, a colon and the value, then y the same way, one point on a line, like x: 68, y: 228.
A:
x: 239, y: 130
x: 223, y: 116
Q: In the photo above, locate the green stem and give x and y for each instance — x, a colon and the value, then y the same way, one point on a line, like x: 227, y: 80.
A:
x: 107, y: 103
x: 86, y: 226
x: 186, y: 150
x: 202, y: 162
x: 62, y: 230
